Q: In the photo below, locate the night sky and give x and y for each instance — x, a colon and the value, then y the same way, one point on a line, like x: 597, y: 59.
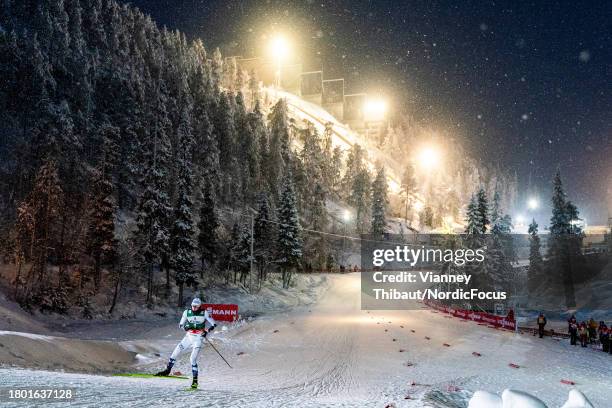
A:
x: 526, y: 85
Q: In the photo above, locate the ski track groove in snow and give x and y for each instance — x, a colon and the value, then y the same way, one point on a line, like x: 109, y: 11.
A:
x: 333, y: 354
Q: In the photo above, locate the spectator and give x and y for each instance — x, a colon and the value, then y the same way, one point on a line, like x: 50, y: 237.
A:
x: 570, y: 321
x: 592, y: 327
x: 573, y: 331
x: 604, y: 337
x: 583, y: 332
x: 541, y: 324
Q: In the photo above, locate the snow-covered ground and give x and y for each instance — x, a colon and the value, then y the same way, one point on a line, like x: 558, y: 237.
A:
x: 334, y: 354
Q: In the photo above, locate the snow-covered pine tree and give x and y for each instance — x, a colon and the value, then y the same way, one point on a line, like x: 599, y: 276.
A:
x: 360, y: 199
x: 248, y: 126
x: 224, y: 130
x: 316, y: 246
x: 327, y: 155
x: 232, y: 244
x: 278, y: 148
x: 379, y: 204
x: 217, y: 68
x: 311, y: 156
x: 183, y: 230
x: 482, y: 211
x: 289, y: 242
x: 208, y: 241
x: 264, y: 244
x: 409, y: 189
x: 335, y: 167
x: 206, y: 149
x: 559, y: 222
x: 472, y: 226
x: 154, y: 210
x: 243, y: 254
x: 573, y: 215
x: 536, y: 262
x: 426, y: 217
x: 102, y: 243
x: 354, y: 165
x: 253, y: 86
x: 43, y: 206
x: 259, y: 135
x: 560, y: 243
x: 500, y: 248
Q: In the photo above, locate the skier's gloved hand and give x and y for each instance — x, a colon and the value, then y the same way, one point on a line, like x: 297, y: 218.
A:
x: 211, y: 328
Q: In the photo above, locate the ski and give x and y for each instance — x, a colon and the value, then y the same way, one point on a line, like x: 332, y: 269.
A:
x: 145, y: 375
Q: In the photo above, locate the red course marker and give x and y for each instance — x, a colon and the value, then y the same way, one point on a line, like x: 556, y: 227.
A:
x: 514, y: 365
x: 568, y: 382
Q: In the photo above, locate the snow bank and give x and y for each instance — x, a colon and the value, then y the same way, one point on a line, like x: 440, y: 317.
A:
x: 577, y: 400
x: 28, y: 335
x: 485, y: 399
x: 519, y: 399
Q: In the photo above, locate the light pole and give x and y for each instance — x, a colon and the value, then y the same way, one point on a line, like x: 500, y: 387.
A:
x: 374, y: 111
x: 279, y: 49
x: 429, y: 158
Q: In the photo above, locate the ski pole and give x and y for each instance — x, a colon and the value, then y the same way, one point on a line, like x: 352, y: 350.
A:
x: 214, y: 348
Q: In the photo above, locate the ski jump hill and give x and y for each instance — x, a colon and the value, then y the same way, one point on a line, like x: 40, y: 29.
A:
x: 300, y: 111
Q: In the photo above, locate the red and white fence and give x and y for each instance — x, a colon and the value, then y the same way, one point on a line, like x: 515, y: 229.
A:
x: 479, y: 317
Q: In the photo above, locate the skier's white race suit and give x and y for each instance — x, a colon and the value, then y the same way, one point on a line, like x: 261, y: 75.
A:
x: 195, y: 323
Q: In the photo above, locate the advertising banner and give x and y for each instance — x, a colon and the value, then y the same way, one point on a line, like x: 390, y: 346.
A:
x: 222, y: 312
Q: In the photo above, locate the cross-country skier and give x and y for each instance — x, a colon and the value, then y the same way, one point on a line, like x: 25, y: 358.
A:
x: 194, y: 323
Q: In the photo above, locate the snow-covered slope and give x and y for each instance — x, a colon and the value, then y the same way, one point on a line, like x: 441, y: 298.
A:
x: 343, y: 136
x: 336, y: 355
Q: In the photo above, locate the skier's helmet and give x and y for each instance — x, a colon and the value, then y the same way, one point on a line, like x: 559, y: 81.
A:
x: 196, y: 303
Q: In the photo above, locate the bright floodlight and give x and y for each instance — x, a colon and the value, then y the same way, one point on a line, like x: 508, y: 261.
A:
x: 429, y: 158
x: 374, y: 109
x: 418, y: 206
x: 346, y: 215
x: 279, y: 48
x: 533, y: 203
x: 520, y: 220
